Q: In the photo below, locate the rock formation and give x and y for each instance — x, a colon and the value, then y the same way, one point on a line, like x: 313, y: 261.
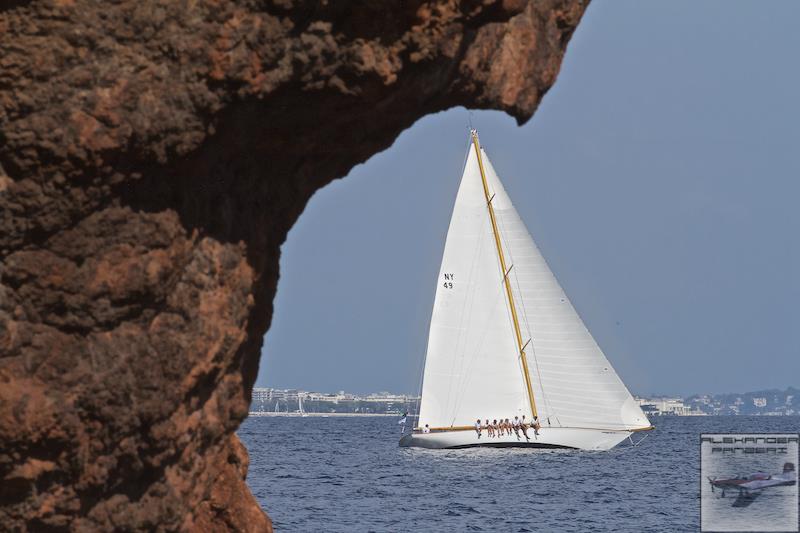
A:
x: 153, y: 156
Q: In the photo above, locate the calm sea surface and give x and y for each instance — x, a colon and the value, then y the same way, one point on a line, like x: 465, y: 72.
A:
x: 348, y: 474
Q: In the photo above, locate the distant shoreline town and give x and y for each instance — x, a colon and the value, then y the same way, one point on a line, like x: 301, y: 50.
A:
x: 277, y: 402
x: 295, y: 401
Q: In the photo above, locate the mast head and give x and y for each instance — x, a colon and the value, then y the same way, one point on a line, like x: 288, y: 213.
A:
x: 473, y: 137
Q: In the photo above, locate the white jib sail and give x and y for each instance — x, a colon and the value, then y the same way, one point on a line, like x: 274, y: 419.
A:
x: 472, y: 365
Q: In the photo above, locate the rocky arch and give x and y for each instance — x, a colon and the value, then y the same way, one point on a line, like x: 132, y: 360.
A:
x: 153, y: 156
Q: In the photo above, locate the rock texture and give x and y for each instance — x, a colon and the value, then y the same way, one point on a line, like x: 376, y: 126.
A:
x: 153, y: 156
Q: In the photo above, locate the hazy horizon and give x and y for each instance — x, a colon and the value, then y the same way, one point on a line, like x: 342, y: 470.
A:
x: 659, y: 180
x: 635, y: 393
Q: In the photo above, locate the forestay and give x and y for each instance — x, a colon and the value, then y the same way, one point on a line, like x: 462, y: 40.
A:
x: 473, y: 367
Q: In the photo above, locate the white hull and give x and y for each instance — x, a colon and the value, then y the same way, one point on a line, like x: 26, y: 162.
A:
x: 577, y: 438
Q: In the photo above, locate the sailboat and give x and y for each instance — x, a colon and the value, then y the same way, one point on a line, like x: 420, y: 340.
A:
x: 506, y: 342
x: 300, y: 404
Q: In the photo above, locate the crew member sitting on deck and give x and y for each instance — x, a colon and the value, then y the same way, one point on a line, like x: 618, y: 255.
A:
x: 488, y: 428
x: 524, y: 427
x: 508, y: 426
x: 478, y: 427
x: 515, y: 425
x: 536, y: 425
x: 495, y: 428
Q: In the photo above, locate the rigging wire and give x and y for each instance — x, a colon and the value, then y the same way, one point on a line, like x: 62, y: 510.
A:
x: 501, y: 219
x: 469, y: 300
x: 423, y: 362
x: 460, y: 330
x: 507, y: 308
x: 468, y: 359
x: 533, y: 353
x: 480, y: 342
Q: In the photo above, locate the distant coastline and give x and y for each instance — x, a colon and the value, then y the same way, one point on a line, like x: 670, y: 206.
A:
x: 318, y: 415
x: 770, y: 402
x: 286, y: 402
x: 290, y: 402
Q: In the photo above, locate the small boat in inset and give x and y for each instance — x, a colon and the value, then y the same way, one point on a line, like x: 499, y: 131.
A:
x: 749, y: 487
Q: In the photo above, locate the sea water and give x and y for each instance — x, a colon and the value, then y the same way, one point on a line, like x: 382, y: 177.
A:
x: 315, y: 474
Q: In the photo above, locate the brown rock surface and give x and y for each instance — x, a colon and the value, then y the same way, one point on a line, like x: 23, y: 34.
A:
x: 153, y: 156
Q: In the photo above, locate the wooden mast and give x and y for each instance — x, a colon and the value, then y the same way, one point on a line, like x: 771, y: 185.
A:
x: 505, y: 270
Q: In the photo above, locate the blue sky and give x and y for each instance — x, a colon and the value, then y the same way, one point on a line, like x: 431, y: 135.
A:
x: 660, y: 177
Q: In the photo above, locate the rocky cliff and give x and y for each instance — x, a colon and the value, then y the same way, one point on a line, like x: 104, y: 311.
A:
x: 153, y: 156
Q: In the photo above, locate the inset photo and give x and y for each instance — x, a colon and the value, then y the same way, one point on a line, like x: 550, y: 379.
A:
x: 749, y: 482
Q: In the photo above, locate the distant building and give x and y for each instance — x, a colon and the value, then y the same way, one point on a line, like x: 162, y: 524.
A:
x: 760, y: 402
x: 665, y: 407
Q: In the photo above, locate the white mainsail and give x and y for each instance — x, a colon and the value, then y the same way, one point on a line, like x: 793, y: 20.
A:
x: 473, y: 367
